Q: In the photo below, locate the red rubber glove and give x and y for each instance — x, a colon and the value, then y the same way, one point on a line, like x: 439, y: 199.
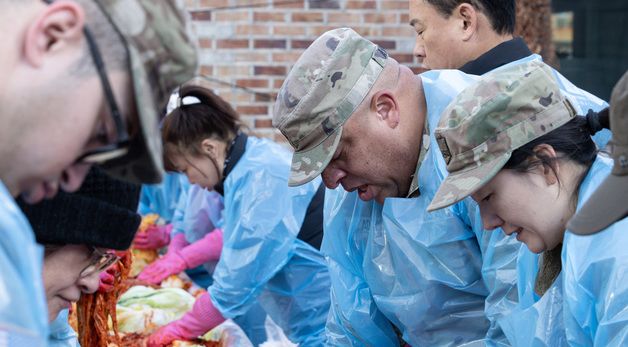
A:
x: 155, y: 237
x: 206, y: 249
x: 202, y: 318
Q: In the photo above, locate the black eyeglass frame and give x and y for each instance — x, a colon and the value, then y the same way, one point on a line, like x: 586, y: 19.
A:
x: 99, y: 261
x: 121, y: 146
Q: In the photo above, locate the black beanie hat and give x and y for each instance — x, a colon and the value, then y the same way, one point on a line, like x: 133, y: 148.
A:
x: 102, y: 213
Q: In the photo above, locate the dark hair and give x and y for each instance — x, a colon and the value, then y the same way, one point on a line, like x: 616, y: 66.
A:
x: 501, y: 13
x: 186, y: 126
x: 573, y: 140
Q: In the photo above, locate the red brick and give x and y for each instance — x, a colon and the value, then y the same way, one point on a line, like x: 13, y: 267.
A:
x: 265, y: 97
x: 226, y: 44
x: 344, y: 18
x: 319, y: 30
x: 294, y: 4
x: 232, y: 70
x: 384, y: 18
x: 269, y: 17
x: 214, y: 3
x: 326, y: 4
x: 307, y: 17
x: 289, y: 57
x: 205, y: 43
x: 229, y: 16
x: 300, y: 44
x: 369, y: 32
x: 207, y: 70
x: 402, y: 30
x: 248, y: 29
x: 290, y: 30
x: 201, y: 15
x: 252, y: 83
x: 394, y: 5
x: 361, y: 4
x: 252, y: 56
x: 269, y: 44
x: 386, y: 44
x: 269, y: 70
x: 277, y: 83
x: 404, y: 18
x: 264, y: 123
x: 252, y: 109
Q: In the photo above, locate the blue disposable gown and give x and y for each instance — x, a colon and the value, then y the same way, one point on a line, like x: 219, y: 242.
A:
x: 23, y: 311
x: 199, y: 211
x: 368, y: 278
x: 586, y: 305
x: 262, y: 260
x: 61, y: 333
x: 162, y: 198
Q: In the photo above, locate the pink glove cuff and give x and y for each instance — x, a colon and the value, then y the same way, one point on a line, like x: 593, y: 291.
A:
x: 203, y: 317
x: 177, y: 242
x: 206, y: 249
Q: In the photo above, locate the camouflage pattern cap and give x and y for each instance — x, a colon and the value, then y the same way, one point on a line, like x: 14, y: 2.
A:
x: 323, y: 89
x: 162, y: 55
x: 609, y: 202
x: 487, y: 121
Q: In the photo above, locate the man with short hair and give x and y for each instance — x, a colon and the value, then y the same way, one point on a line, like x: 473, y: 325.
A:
x: 83, y: 84
x: 477, y: 36
x: 362, y: 121
x: 474, y: 36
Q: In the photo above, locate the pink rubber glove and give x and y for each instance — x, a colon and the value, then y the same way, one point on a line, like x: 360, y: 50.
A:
x: 202, y: 318
x: 106, y: 279
x: 170, y: 264
x: 156, y: 236
x: 206, y: 249
x: 177, y: 243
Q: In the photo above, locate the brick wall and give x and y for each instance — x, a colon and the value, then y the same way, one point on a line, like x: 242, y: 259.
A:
x: 248, y: 46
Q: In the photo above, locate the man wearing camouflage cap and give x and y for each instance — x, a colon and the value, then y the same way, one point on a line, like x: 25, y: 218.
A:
x: 83, y: 84
x: 356, y: 116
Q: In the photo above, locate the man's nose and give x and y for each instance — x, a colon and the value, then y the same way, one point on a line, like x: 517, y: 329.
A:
x: 332, y: 177
x: 73, y: 177
x: 419, y: 50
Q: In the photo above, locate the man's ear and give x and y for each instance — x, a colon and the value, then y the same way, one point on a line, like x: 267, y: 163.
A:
x: 384, y: 105
x: 57, y: 27
x: 551, y: 168
x: 208, y: 147
x: 467, y: 16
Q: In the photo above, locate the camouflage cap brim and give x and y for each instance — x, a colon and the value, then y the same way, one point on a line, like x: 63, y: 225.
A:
x: 462, y: 184
x: 605, y: 206
x: 308, y: 164
x: 144, y: 161
x: 162, y: 54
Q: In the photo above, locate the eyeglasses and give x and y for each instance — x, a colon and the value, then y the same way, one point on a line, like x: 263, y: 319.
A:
x: 121, y: 147
x: 100, y: 261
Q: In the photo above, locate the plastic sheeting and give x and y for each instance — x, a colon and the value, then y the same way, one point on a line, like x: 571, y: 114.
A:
x: 61, y: 333
x: 262, y: 260
x: 23, y: 311
x: 162, y: 198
